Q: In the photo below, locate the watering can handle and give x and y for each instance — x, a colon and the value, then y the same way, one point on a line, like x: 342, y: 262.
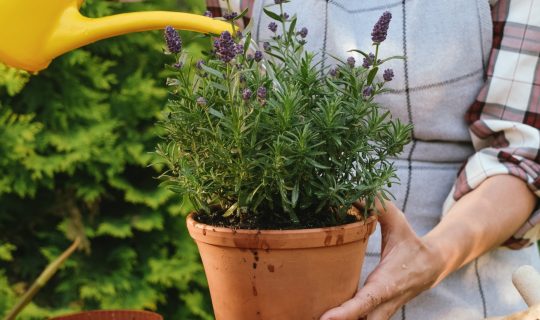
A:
x: 33, y: 32
x: 68, y: 36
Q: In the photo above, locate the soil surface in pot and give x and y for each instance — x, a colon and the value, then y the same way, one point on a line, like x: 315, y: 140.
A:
x: 272, y: 221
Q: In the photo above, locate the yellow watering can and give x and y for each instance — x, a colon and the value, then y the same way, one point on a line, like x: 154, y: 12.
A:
x: 33, y: 32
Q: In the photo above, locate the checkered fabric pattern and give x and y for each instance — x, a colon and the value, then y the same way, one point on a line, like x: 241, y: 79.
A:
x: 219, y: 7
x: 505, y: 119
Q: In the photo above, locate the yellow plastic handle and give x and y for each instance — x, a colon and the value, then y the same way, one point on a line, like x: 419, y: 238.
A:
x: 33, y: 32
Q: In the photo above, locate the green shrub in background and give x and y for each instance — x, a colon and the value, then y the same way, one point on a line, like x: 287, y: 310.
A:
x: 75, y: 149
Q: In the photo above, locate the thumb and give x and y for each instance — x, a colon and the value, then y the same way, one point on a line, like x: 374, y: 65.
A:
x: 394, y: 225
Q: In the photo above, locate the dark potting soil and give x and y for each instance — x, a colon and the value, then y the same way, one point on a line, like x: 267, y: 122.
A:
x: 270, y: 221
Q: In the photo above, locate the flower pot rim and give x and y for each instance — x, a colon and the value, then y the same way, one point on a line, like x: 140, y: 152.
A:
x: 122, y: 312
x: 281, y: 239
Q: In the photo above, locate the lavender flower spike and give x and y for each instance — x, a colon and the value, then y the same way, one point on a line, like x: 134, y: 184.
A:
x: 380, y: 30
x: 388, y: 75
x: 225, y: 47
x: 230, y: 15
x: 208, y: 14
x: 367, y: 91
x: 303, y: 32
x: 246, y: 94
x: 351, y: 62
x: 172, y: 39
x: 368, y: 61
x: 261, y: 92
x: 258, y: 56
x: 272, y: 26
x: 267, y: 46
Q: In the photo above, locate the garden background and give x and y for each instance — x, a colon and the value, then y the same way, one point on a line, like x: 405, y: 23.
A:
x: 76, y: 146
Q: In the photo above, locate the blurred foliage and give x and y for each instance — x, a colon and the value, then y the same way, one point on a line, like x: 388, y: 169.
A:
x: 76, y: 145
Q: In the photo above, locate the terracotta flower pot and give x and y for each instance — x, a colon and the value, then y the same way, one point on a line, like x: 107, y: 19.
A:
x: 112, y: 315
x: 280, y: 274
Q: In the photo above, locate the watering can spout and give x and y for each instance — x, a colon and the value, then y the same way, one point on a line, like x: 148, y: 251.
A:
x: 33, y: 32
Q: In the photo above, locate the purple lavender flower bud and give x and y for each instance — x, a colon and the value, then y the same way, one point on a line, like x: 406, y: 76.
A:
x: 201, y: 101
x: 285, y: 16
x: 178, y: 65
x: 230, y: 15
x: 246, y: 94
x: 239, y: 35
x: 367, y: 91
x: 266, y: 46
x: 272, y: 26
x: 208, y: 14
x: 172, y: 39
x: 333, y: 72
x: 261, y: 92
x: 351, y: 62
x: 239, y: 49
x: 303, y: 32
x: 368, y: 61
x: 199, y: 64
x: 258, y: 55
x: 388, y: 75
x: 225, y: 47
x: 380, y: 30
x: 225, y: 36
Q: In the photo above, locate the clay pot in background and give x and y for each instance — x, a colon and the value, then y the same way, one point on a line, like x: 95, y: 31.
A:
x: 281, y: 274
x: 111, y: 315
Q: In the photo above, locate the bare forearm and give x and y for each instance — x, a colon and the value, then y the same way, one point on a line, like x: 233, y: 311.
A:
x: 481, y: 220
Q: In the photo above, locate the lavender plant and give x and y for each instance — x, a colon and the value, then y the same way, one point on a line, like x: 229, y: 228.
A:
x: 266, y: 139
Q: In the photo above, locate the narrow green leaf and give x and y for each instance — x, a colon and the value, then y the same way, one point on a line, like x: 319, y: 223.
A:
x: 295, y: 193
x: 371, y: 75
x: 316, y: 164
x: 360, y: 52
x: 216, y: 113
x: 391, y: 58
x: 291, y: 27
x: 218, y: 86
x: 212, y: 71
x: 241, y: 15
x: 272, y: 15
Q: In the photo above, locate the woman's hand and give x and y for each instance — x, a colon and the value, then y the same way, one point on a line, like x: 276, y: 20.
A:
x: 481, y: 220
x: 408, y: 266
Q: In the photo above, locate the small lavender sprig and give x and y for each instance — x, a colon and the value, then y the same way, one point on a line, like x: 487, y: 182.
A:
x: 388, y: 75
x: 225, y: 47
x: 172, y: 39
x: 380, y: 30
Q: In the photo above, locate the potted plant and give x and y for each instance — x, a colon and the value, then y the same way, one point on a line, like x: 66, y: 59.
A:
x: 272, y: 152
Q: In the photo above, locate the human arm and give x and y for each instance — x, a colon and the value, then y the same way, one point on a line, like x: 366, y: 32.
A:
x: 481, y: 220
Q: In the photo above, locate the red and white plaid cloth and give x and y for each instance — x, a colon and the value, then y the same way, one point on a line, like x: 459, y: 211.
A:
x: 505, y: 119
x: 220, y: 7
